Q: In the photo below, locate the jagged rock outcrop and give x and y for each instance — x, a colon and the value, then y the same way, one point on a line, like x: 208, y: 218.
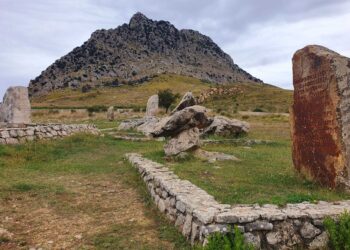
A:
x: 134, y: 52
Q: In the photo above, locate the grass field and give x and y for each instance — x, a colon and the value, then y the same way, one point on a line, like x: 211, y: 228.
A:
x: 253, y: 96
x: 72, y: 193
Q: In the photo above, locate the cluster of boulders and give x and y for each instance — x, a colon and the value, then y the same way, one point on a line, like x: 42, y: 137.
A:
x: 218, y: 91
x: 186, y: 124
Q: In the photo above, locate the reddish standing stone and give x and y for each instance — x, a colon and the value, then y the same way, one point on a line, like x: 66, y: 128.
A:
x: 320, y: 115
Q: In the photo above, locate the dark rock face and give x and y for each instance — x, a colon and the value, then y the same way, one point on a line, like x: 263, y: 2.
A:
x: 134, y: 52
x: 320, y: 117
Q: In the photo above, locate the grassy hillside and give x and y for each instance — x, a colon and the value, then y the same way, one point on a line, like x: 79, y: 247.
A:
x: 252, y: 96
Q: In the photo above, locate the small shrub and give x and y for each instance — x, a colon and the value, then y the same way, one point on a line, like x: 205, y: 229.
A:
x: 86, y: 88
x: 167, y: 98
x: 54, y: 111
x: 339, y: 232
x: 97, y: 108
x: 258, y: 110
x: 233, y: 240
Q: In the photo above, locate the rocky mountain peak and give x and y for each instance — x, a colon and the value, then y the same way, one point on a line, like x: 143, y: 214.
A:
x: 138, y: 19
x: 132, y: 53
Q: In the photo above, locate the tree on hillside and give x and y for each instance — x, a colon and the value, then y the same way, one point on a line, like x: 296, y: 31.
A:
x: 166, y: 98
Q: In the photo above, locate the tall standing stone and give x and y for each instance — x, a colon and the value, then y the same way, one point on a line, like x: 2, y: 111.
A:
x: 320, y: 117
x: 15, y: 108
x: 110, y: 113
x: 152, y: 105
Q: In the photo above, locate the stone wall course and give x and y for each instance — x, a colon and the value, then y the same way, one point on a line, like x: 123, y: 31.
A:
x: 197, y: 214
x: 32, y: 132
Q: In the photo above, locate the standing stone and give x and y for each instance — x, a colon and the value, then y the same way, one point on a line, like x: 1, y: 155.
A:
x: 188, y: 100
x: 15, y: 108
x: 152, y: 105
x: 320, y: 115
x: 110, y: 113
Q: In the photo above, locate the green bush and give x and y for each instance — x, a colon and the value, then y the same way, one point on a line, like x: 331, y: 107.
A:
x: 233, y: 240
x: 258, y: 110
x: 97, y: 108
x: 339, y: 232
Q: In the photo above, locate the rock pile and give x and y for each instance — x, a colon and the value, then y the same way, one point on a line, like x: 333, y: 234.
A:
x: 186, y: 124
x: 218, y: 91
x: 15, y: 108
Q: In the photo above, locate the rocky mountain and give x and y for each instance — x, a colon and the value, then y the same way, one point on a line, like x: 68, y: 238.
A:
x: 133, y: 53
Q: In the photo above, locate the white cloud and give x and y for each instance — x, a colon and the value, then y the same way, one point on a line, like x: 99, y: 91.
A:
x: 261, y: 36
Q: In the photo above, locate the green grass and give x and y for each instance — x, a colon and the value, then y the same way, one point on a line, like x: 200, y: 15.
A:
x: 126, y: 96
x: 31, y: 169
x: 254, y: 96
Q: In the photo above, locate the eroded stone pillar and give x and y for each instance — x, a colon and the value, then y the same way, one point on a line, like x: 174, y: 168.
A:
x: 15, y: 108
x: 320, y: 115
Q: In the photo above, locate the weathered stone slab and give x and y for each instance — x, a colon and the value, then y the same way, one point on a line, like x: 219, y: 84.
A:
x: 185, y: 141
x: 320, y: 117
x: 15, y: 108
x: 152, y: 105
x: 187, y: 100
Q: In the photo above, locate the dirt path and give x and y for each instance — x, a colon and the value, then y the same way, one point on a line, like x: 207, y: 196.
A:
x: 91, y: 212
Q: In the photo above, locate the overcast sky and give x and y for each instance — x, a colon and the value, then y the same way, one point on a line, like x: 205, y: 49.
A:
x: 260, y: 35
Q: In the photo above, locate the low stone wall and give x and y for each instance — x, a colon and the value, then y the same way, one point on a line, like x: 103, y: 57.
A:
x: 44, y: 131
x: 197, y: 214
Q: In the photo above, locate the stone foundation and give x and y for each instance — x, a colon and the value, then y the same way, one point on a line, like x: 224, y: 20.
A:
x: 32, y: 132
x: 197, y: 214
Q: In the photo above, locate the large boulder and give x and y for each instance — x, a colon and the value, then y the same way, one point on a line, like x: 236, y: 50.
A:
x: 320, y: 116
x: 110, y: 113
x: 131, y: 124
x: 224, y: 126
x: 15, y: 108
x: 190, y: 117
x: 185, y: 141
x: 149, y: 125
x: 152, y: 106
x: 188, y: 100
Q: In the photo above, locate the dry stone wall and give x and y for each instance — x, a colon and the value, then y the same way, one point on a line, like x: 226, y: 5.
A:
x: 197, y: 214
x: 47, y: 131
